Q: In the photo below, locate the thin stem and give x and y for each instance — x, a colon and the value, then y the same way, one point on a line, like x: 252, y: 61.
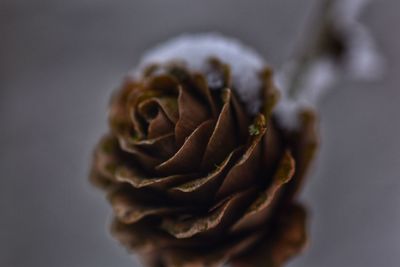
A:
x: 311, y: 52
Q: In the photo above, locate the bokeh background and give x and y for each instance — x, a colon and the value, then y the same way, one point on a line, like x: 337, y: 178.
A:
x: 60, y: 60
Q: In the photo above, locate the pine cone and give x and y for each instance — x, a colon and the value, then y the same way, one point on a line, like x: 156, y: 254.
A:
x: 196, y: 180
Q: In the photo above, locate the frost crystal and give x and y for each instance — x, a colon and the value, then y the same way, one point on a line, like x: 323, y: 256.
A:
x: 195, y: 50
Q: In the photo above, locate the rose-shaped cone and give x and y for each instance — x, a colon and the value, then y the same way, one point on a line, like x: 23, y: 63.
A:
x: 194, y: 179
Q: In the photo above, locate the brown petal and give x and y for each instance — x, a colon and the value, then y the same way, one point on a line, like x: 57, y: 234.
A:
x: 270, y: 92
x: 273, y: 147
x: 188, y: 157
x: 163, y: 84
x: 203, y: 189
x: 202, y: 87
x: 210, y: 254
x: 261, y: 207
x: 151, y: 106
x: 244, y: 173
x: 99, y: 180
x: 139, y: 237
x: 145, y: 107
x: 131, y: 205
x: 127, y: 211
x: 221, y: 214
x: 286, y: 238
x: 106, y: 157
x: 184, y: 258
x: 304, y: 147
x: 242, y: 120
x: 136, y: 178
x: 161, y: 147
x: 224, y: 138
x: 160, y: 126
x: 191, y: 114
x: 119, y: 119
x: 145, y: 160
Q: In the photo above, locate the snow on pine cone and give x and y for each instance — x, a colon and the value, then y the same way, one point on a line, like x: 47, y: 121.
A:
x: 195, y: 179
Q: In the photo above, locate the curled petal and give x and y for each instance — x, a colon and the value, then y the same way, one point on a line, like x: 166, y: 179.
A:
x: 187, y: 158
x: 203, y: 189
x: 144, y: 159
x: 160, y: 126
x: 151, y: 90
x: 242, y: 120
x: 140, y: 237
x: 99, y: 180
x: 202, y: 87
x: 119, y: 119
x: 244, y: 173
x: 286, y: 238
x: 160, y: 147
x: 258, y: 211
x: 223, y: 139
x: 192, y: 113
x: 167, y: 105
x: 136, y: 178
x: 210, y: 255
x: 304, y: 143
x: 221, y: 214
x: 270, y: 93
x: 273, y: 145
x: 130, y: 206
x: 162, y: 84
x: 106, y: 157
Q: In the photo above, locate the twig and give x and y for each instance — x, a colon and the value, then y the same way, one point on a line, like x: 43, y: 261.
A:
x: 312, y: 48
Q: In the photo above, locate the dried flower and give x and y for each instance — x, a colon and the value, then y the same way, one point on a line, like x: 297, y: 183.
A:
x: 194, y: 178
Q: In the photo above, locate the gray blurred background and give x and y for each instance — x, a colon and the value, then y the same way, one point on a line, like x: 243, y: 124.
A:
x: 60, y: 60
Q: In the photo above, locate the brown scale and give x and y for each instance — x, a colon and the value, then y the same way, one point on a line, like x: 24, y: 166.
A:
x: 196, y: 181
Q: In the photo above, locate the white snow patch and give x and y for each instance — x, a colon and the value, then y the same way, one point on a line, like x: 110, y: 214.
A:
x: 196, y: 49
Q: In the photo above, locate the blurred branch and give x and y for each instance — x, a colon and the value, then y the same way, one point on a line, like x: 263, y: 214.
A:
x: 310, y: 52
x: 337, y: 46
